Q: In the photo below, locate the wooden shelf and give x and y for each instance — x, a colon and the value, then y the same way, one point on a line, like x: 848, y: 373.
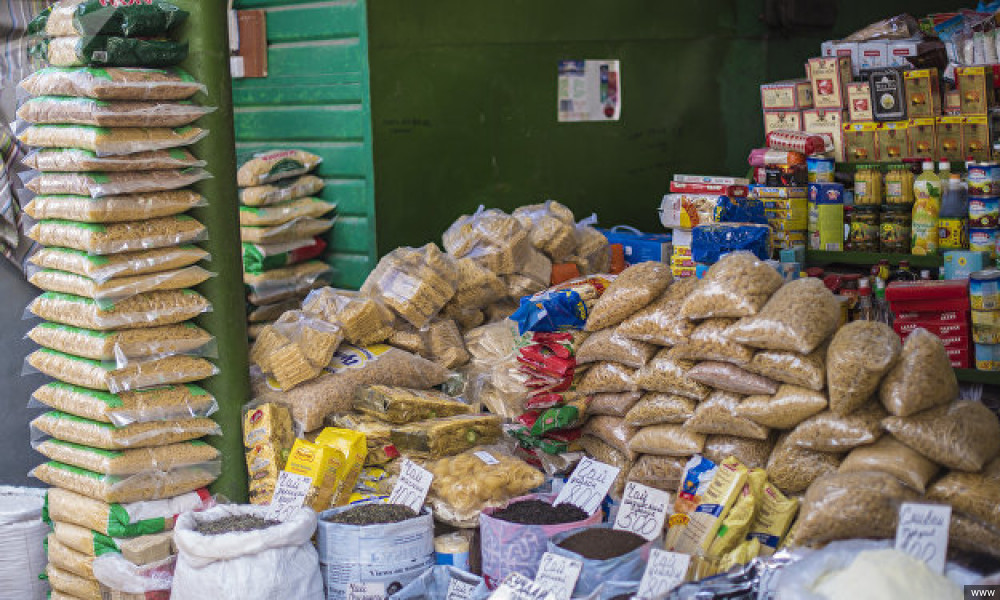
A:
x: 977, y: 376
x: 823, y: 257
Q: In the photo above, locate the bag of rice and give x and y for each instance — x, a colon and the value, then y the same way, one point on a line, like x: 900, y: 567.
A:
x: 737, y: 286
x: 280, y: 284
x: 785, y: 409
x: 296, y: 229
x: 612, y: 431
x: 655, y: 408
x: 974, y: 494
x: 666, y: 440
x: 71, y: 586
x: 631, y: 291
x: 100, y: 17
x: 113, y: 83
x: 717, y: 415
x: 607, y: 377
x: 797, y: 318
x: 830, y: 432
x: 100, y: 113
x: 793, y: 469
x: 150, y: 485
x: 752, y: 453
x: 258, y: 168
x: 52, y: 280
x: 128, y: 462
x: 137, y: 374
x: 667, y: 373
x: 258, y: 258
x: 107, y: 436
x: 710, y: 341
x: 106, y: 141
x: 730, y: 378
x: 113, y: 209
x: 860, y: 353
x: 608, y: 345
x: 364, y: 320
x: 162, y: 403
x: 111, y: 51
x: 103, y: 268
x: 660, y: 472
x: 279, y: 214
x: 660, y: 322
x: 890, y: 456
x: 119, y: 520
x: 97, y: 185
x: 69, y: 560
x: 922, y: 379
x: 807, y: 371
x: 144, y: 310
x: 964, y: 435
x: 184, y: 338
x: 76, y: 160
x: 551, y: 228
x: 118, y: 237
x: 281, y: 191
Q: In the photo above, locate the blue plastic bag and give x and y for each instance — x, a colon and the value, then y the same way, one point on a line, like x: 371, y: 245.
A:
x: 740, y: 210
x: 709, y: 242
x: 550, y: 310
x: 434, y: 583
x: 627, y: 567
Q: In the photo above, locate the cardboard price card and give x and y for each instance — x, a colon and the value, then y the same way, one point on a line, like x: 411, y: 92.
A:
x: 588, y: 485
x: 459, y: 590
x: 519, y: 587
x: 558, y: 574
x: 412, y: 487
x: 643, y: 510
x: 923, y: 532
x: 664, y: 571
x: 366, y: 591
x: 289, y: 495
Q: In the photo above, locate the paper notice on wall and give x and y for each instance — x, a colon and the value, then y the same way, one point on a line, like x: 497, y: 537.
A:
x: 589, y: 90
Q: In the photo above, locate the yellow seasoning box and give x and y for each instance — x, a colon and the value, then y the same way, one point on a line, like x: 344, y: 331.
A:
x: 720, y: 496
x: 353, y: 446
x: 321, y: 464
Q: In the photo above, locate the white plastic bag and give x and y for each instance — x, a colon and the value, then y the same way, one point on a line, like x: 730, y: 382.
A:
x: 277, y: 562
x: 22, y: 555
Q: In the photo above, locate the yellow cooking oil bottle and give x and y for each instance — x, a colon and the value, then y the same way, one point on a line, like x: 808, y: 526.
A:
x: 926, y: 208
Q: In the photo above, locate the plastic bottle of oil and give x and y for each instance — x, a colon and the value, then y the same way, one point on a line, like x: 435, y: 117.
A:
x: 953, y: 221
x: 926, y: 208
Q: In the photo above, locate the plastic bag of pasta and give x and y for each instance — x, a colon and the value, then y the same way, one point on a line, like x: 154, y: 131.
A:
x: 807, y: 371
x: 416, y: 283
x: 608, y: 345
x: 797, y: 318
x: 667, y: 373
x: 737, y: 286
x: 830, y: 432
x: 492, y: 238
x: 964, y: 435
x: 401, y: 405
x: 551, y: 228
x: 276, y: 285
x: 891, y: 456
x: 922, y: 379
x: 793, y: 469
x: 710, y: 341
x: 859, y: 355
x: 477, y: 286
x: 717, y: 415
x: 631, y: 291
x: 591, y: 254
x: 660, y: 322
x: 364, y: 320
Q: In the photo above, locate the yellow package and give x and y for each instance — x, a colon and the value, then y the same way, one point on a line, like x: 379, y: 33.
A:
x: 725, y: 488
x: 774, y: 517
x: 353, y: 446
x: 322, y: 464
x: 695, y: 481
x: 736, y: 525
x: 740, y: 555
x: 261, y: 491
x: 268, y: 423
x: 365, y: 498
x: 264, y: 463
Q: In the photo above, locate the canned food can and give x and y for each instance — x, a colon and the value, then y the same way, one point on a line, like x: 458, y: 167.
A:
x: 984, y: 212
x: 984, y: 179
x: 988, y: 357
x: 986, y: 326
x: 983, y: 240
x: 984, y: 289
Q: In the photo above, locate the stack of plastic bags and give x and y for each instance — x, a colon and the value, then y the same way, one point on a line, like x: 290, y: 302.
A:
x: 111, y: 176
x: 282, y: 225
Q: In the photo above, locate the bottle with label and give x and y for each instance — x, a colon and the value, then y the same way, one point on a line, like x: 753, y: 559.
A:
x: 902, y: 273
x: 926, y: 208
x: 865, y: 311
x: 953, y: 221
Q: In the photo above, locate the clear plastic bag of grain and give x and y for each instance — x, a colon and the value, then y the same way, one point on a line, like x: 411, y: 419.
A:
x: 830, y: 432
x: 591, y: 254
x: 143, y: 310
x: 860, y: 354
x: 107, y: 436
x: 103, y: 268
x: 974, y: 494
x: 710, y: 341
x: 109, y: 141
x: 128, y: 462
x: 100, y: 185
x: 467, y: 319
x: 65, y: 282
x: 630, y: 292
x: 610, y: 430
x: 752, y: 453
x: 613, y: 404
x: 793, y: 469
x: 551, y: 228
x: 113, y: 209
x: 798, y: 318
x: 283, y: 191
x: 667, y: 440
x: 87, y: 111
x: 363, y: 319
x: 67, y: 559
x: 891, y: 456
x: 807, y: 371
x: 922, y: 379
x: 660, y: 323
x: 113, y: 238
x: 655, y: 408
x: 113, y: 83
x: 609, y: 345
x: 851, y: 505
x: 785, y: 409
x: 491, y: 237
x: 668, y: 374
x: 284, y: 283
x: 972, y: 535
x: 717, y: 416
x: 120, y: 346
x: 730, y: 378
x: 150, y: 485
x: 258, y: 168
x: 296, y: 229
x: 660, y: 472
x: 75, y: 160
x: 737, y: 286
x: 607, y: 377
x: 964, y: 435
x: 161, y: 403
x: 107, y: 376
x: 279, y: 214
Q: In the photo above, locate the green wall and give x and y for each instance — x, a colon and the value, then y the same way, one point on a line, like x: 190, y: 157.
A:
x: 464, y: 102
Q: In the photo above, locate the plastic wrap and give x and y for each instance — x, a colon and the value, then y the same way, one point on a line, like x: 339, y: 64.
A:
x: 416, y: 283
x: 830, y: 432
x: 71, y: 585
x: 264, y: 167
x: 660, y: 472
x: 258, y: 258
x: 730, y: 378
x: 972, y: 535
x: 115, y: 209
x: 656, y: 408
x: 76, y: 160
x: 118, y: 237
x: 799, y: 141
x: 922, y: 379
x: 437, y: 581
x: 859, y: 355
x: 614, y: 404
x: 93, y: 17
x: 401, y: 405
x: 717, y: 415
x: 87, y: 111
x: 120, y: 575
x: 631, y: 291
x: 550, y: 310
x: 22, y: 537
x: 792, y: 468
x: 167, y: 403
x: 281, y: 191
x: 608, y: 345
x: 276, y: 285
x: 446, y: 344
x: 151, y: 485
x: 107, y: 141
x: 660, y: 322
x: 807, y: 371
x: 128, y: 520
x: 890, y: 456
x: 106, y: 376
x: 295, y: 348
x: 710, y: 341
x: 113, y: 83
x: 279, y: 214
x: 296, y: 229
x: 752, y: 453
x: 607, y: 377
x: 736, y: 286
x: 612, y: 431
x: 106, y: 436
x: 99, y: 185
x: 785, y: 409
x: 492, y: 238
x: 591, y: 255
x: 186, y: 338
x: 711, y: 242
x: 627, y: 567
x: 477, y: 286
x: 101, y: 268
x: 446, y: 436
x: 551, y: 228
x: 797, y: 318
x: 143, y: 310
x: 128, y: 462
x: 851, y: 505
x: 667, y: 440
x: 964, y: 435
x: 52, y: 280
x: 364, y: 320
x: 668, y: 374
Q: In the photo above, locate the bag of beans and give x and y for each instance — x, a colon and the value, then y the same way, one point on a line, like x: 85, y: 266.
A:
x: 860, y: 354
x: 122, y: 520
x: 631, y: 291
x: 163, y: 403
x: 151, y: 485
x: 717, y: 415
x: 797, y: 318
x: 829, y: 432
x: 922, y: 379
x: 785, y: 409
x: 890, y: 456
x: 738, y: 285
x: 964, y: 435
x: 660, y: 322
x: 103, y: 268
x: 106, y: 436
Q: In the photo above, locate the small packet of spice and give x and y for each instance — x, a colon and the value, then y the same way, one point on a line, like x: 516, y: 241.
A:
x: 774, y: 516
x: 567, y: 416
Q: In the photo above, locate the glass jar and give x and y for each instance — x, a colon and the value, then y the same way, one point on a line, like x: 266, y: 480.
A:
x: 863, y: 230
x: 868, y: 186
x: 894, y: 229
x: 899, y: 185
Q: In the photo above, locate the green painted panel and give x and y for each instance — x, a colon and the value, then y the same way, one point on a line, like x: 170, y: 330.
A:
x: 300, y: 123
x: 340, y: 159
x: 298, y: 90
x: 351, y: 196
x: 350, y: 270
x: 311, y: 58
x: 351, y: 233
x: 248, y: 4
x: 313, y: 22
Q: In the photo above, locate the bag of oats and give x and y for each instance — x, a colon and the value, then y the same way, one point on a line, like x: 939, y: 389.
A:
x: 859, y: 355
x: 797, y: 318
x: 103, y: 268
x: 117, y: 520
x: 964, y: 435
x: 793, y: 469
x: 162, y: 403
x: 613, y: 404
x: 922, y: 379
x: 144, y: 310
x: 106, y: 436
x: 99, y: 113
x: 113, y: 83
x: 655, y: 408
x: 111, y: 141
x: 710, y: 341
x: 258, y: 168
x: 667, y: 373
x: 666, y: 440
x: 98, y: 185
x: 630, y: 292
x: 279, y: 214
x: 76, y: 160
x: 111, y: 209
x: 276, y: 285
x: 150, y: 485
x: 128, y: 462
x: 184, y: 338
x: 118, y: 237
x: 752, y: 453
x: 807, y: 371
x: 52, y: 280
x: 785, y: 409
x: 717, y: 416
x: 660, y: 322
x: 730, y: 378
x: 607, y: 377
x: 364, y: 320
x: 890, y: 456
x: 737, y: 286
x: 296, y: 229
x: 608, y: 345
x: 830, y: 432
x: 106, y: 376
x: 281, y: 191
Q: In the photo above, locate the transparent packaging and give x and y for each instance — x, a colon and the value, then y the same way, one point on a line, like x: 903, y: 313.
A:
x: 114, y: 183
x: 106, y: 292
x: 296, y: 229
x: 103, y: 268
x: 125, y: 520
x: 830, y: 432
x: 656, y: 408
x: 402, y: 405
x: 592, y: 254
x: 738, y: 285
x: 785, y: 409
x: 111, y: 141
x: 551, y: 228
x: 446, y: 436
x: 120, y: 346
x: 667, y: 440
x: 922, y: 379
x: 710, y: 341
x: 797, y: 318
x: 87, y: 111
x: 115, y: 209
x: 128, y: 462
x: 660, y: 322
x: 163, y: 403
x: 807, y: 371
x: 890, y: 456
x: 76, y: 160
x: 660, y: 472
x: 667, y: 373
x: 280, y: 284
x: 492, y: 238
x: 964, y: 435
x: 752, y: 453
x: 973, y: 494
x: 717, y: 415
x: 70, y: 585
x: 144, y: 310
x: 113, y: 83
x: 609, y: 345
x: 151, y: 485
x: 119, y: 237
x: 281, y: 191
x: 607, y: 377
x: 416, y: 283
x: 265, y: 167
x: 630, y: 292
x: 730, y: 378
x: 793, y: 469
x: 615, y: 404
x: 279, y: 214
x: 477, y: 286
x: 613, y: 431
x: 364, y: 320
x: 602, y: 452
x: 107, y: 376
x: 69, y: 560
x: 860, y: 354
x: 106, y: 436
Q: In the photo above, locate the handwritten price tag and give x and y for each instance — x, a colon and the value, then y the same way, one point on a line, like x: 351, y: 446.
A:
x: 664, y: 572
x: 289, y: 495
x: 366, y: 591
x: 412, y: 486
x: 487, y: 458
x: 558, y: 574
x: 588, y: 485
x: 519, y: 587
x: 923, y: 532
x: 459, y: 590
x: 643, y: 510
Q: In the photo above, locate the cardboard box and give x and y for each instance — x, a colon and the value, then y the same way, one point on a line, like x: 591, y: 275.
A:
x: 719, y: 179
x: 859, y: 101
x: 952, y: 103
x: 956, y: 331
x: 975, y: 86
x: 952, y: 316
x: 923, y: 93
x: 859, y: 142
x: 831, y: 49
x: 251, y: 58
x: 641, y: 247
x: 921, y: 138
x: 872, y: 55
x: 829, y: 77
x: 888, y: 94
x: 777, y: 121
x: 733, y: 191
x: 891, y: 140
x: 976, y: 138
x: 901, y: 50
x: 793, y: 94
x: 959, y: 264
x: 818, y: 120
x: 949, y: 138
x: 765, y: 193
